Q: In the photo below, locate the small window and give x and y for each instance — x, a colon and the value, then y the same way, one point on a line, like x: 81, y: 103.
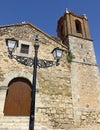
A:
x: 24, y: 49
x: 78, y: 26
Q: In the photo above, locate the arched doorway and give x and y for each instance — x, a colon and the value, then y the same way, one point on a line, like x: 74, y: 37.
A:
x: 18, y: 98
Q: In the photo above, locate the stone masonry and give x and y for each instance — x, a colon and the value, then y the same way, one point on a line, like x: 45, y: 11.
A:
x: 74, y: 31
x: 68, y: 95
x: 54, y: 108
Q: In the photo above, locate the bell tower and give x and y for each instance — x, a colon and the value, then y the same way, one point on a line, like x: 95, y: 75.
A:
x: 73, y: 24
x: 74, y: 32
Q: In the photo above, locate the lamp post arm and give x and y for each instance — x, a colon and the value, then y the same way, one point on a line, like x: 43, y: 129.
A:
x: 28, y: 61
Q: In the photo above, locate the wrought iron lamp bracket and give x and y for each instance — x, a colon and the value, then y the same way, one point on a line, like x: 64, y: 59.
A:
x: 42, y: 63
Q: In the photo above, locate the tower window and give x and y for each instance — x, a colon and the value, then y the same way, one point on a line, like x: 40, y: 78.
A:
x: 81, y: 45
x: 84, y: 60
x: 78, y: 26
x: 62, y: 31
x: 24, y: 49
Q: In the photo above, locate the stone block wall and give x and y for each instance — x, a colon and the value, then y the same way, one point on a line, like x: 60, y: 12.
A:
x: 84, y: 82
x: 54, y: 106
x: 67, y: 95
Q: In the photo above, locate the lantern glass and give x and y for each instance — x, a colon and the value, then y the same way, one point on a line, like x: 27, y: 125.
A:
x: 36, y: 43
x: 11, y: 43
x: 57, y: 53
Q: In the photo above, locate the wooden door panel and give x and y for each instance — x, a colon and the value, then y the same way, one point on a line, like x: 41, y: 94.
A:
x: 18, y: 99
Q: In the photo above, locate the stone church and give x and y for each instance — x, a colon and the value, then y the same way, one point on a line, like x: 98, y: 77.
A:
x: 67, y: 95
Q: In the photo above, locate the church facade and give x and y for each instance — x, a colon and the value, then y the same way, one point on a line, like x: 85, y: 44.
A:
x: 68, y: 95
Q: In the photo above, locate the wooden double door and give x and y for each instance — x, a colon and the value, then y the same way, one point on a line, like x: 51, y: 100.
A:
x: 18, y: 98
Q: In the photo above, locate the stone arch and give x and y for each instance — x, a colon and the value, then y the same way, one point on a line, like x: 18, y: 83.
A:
x: 22, y: 79
x: 11, y: 75
x: 18, y: 97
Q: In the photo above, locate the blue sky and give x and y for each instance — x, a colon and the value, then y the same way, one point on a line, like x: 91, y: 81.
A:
x: 45, y: 13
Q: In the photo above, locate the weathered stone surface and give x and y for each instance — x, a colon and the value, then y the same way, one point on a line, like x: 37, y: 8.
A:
x: 53, y: 98
x: 68, y: 95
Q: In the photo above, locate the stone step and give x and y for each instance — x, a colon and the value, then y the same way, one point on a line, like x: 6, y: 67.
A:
x: 22, y: 123
x: 13, y: 119
x: 18, y: 123
x: 86, y: 128
x: 14, y: 123
x: 14, y: 128
x: 19, y: 127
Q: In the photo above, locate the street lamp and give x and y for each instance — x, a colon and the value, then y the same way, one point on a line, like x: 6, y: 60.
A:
x: 57, y: 53
x: 12, y: 44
